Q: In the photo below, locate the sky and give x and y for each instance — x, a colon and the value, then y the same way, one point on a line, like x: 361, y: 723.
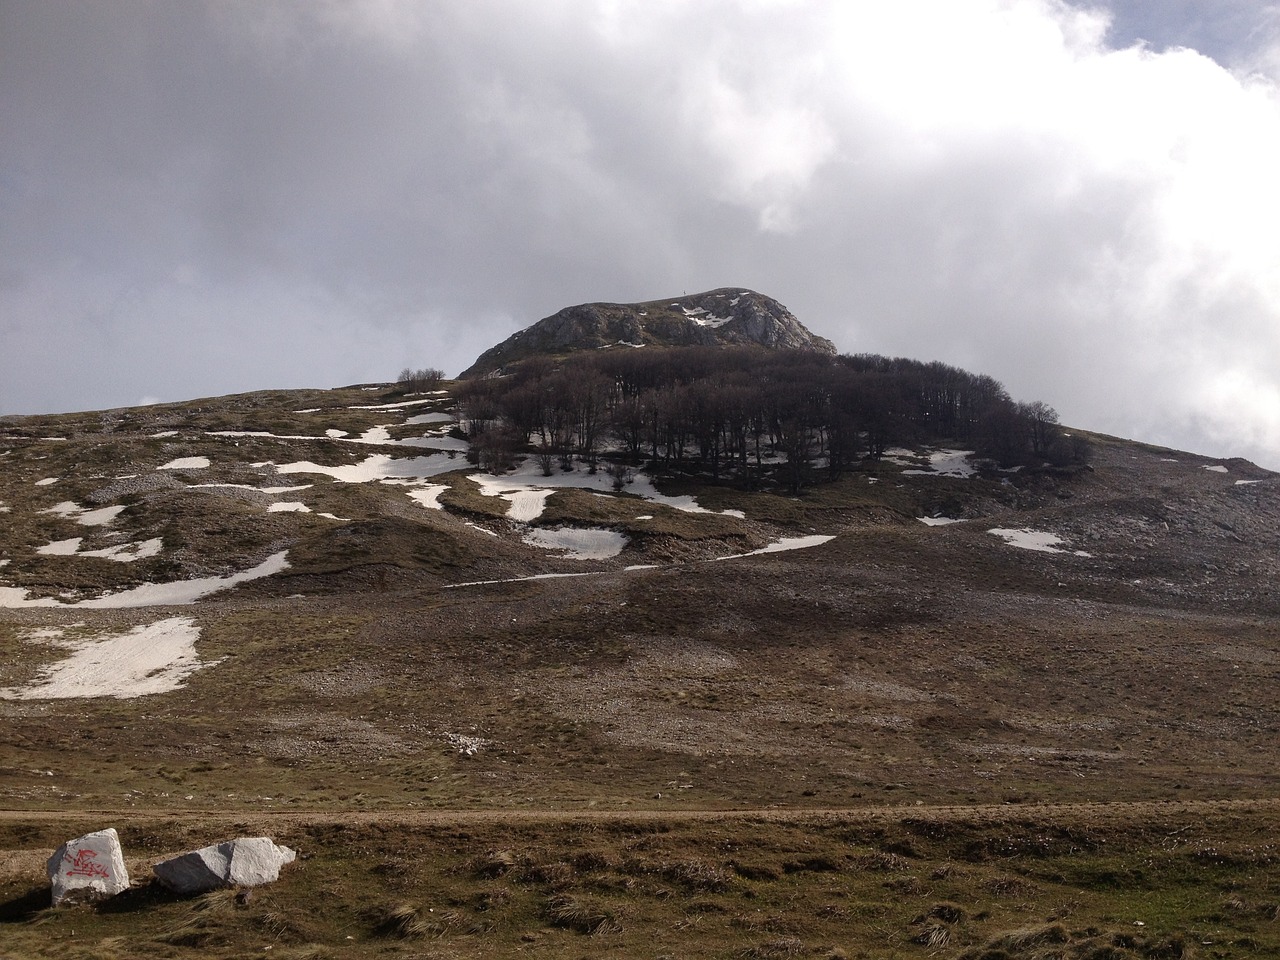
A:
x: 1079, y: 199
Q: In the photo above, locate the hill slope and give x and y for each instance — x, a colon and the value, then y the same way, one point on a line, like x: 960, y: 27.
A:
x: 305, y: 611
x: 723, y: 316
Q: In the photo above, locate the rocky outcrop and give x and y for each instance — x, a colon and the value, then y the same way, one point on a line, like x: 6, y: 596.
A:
x: 88, y: 868
x: 728, y: 316
x: 244, y: 862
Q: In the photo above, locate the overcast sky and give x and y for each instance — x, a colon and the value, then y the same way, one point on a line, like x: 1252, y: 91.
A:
x: 1081, y: 200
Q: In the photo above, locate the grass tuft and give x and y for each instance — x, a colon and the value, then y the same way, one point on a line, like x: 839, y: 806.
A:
x: 495, y: 863
x: 402, y: 921
x: 934, y: 935
x: 771, y: 949
x: 581, y: 915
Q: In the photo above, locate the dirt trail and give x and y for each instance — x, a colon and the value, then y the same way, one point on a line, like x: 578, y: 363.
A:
x: 1106, y: 812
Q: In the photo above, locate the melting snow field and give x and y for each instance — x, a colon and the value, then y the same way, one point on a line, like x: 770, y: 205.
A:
x: 1037, y: 540
x: 149, y: 659
x: 128, y: 552
x: 375, y: 436
x: 177, y: 592
x: 783, y: 545
x: 186, y: 463
x: 579, y: 543
x: 939, y: 521
x: 779, y: 546
x: 86, y: 518
x: 946, y: 463
x: 380, y: 467
x: 429, y: 418
x: 429, y: 495
x: 527, y: 490
x: 122, y: 552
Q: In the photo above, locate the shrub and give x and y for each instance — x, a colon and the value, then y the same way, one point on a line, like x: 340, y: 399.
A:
x: 419, y: 381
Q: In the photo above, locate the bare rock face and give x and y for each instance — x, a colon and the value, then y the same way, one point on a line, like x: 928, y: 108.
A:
x: 88, y: 868
x: 243, y: 862
x: 729, y: 316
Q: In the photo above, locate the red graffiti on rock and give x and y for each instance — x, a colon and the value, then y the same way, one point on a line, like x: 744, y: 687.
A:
x: 85, y: 864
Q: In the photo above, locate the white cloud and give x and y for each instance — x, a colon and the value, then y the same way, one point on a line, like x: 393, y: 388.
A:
x: 270, y: 195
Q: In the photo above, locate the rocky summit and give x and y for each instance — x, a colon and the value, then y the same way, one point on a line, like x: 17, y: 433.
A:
x: 729, y: 315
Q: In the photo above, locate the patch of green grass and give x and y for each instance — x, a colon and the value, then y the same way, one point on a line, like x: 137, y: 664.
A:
x: 365, y: 886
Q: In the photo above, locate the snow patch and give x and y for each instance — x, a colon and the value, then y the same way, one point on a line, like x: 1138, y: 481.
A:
x: 435, y: 417
x: 289, y: 506
x: 86, y: 518
x: 400, y: 406
x: 784, y: 545
x: 128, y: 552
x: 245, y: 486
x: 946, y: 463
x: 375, y: 436
x: 429, y: 495
x: 579, y: 543
x: 1038, y: 540
x: 122, y: 552
x: 704, y: 318
x: 178, y: 592
x: 100, y: 517
x: 939, y: 521
x: 536, y: 576
x: 379, y: 467
x: 154, y: 658
x: 47, y: 481
x: 1216, y: 468
x: 186, y: 463
x: 528, y: 478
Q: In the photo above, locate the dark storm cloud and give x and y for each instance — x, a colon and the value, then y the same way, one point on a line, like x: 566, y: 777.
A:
x: 199, y: 198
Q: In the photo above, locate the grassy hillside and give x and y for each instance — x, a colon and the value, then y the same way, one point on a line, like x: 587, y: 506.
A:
x: 940, y: 740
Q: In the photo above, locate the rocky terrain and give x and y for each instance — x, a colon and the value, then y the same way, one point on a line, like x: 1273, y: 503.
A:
x: 718, y: 317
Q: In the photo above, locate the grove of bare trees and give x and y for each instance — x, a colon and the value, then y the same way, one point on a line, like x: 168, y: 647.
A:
x: 747, y: 415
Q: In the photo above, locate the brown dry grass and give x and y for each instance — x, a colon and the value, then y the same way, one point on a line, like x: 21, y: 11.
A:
x: 917, y: 673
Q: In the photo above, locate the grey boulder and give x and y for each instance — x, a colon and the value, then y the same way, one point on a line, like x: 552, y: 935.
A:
x: 243, y: 862
x: 88, y: 868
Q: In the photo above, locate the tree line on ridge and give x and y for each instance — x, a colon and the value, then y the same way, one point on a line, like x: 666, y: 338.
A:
x: 747, y: 415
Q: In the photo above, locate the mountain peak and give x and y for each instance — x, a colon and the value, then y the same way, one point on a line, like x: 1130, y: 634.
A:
x: 725, y: 316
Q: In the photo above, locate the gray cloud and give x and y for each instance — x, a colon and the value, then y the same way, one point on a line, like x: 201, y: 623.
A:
x: 205, y: 198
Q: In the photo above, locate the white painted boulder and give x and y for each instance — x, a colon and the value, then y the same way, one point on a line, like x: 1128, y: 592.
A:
x: 243, y: 862
x: 88, y: 868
